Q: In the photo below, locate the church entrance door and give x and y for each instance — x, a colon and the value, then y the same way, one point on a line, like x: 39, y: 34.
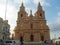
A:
x: 42, y: 38
x: 21, y: 39
x: 32, y: 38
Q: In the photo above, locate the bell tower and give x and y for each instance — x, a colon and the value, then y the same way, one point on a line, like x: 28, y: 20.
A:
x: 40, y: 13
x: 22, y: 13
x: 40, y: 17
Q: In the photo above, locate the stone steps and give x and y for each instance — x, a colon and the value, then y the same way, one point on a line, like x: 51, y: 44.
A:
x: 38, y: 44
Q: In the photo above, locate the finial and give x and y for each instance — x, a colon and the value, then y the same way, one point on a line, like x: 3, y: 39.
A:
x: 22, y: 3
x: 30, y: 11
x: 31, y: 14
x: 22, y: 8
x: 39, y: 4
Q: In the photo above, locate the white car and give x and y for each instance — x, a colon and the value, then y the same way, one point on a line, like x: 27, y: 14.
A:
x: 12, y: 42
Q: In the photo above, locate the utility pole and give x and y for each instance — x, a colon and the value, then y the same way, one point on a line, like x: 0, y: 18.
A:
x: 6, y: 9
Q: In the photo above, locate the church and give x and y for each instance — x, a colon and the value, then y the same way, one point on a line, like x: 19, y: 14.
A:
x: 31, y: 28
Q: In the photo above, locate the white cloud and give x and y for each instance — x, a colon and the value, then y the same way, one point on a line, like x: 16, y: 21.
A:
x: 28, y: 11
x: 43, y: 2
x: 36, y: 1
x: 2, y: 10
x: 3, y: 1
x: 12, y: 11
x: 11, y: 15
x: 58, y: 14
x: 20, y: 1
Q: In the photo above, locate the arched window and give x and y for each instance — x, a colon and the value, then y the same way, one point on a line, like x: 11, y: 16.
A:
x: 40, y: 15
x: 42, y: 38
x: 21, y: 15
x: 32, y: 37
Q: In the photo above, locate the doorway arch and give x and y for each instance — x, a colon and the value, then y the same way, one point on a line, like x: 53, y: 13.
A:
x: 21, y: 38
x: 42, y: 38
x: 32, y: 38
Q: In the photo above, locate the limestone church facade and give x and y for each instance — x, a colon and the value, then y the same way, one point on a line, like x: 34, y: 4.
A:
x: 31, y: 28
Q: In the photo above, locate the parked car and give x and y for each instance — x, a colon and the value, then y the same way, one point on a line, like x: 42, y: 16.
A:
x: 12, y: 42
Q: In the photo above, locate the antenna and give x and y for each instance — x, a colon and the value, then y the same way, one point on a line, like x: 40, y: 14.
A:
x: 6, y: 9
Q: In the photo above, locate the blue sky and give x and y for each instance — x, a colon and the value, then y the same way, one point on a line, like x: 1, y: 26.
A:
x: 51, y: 8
